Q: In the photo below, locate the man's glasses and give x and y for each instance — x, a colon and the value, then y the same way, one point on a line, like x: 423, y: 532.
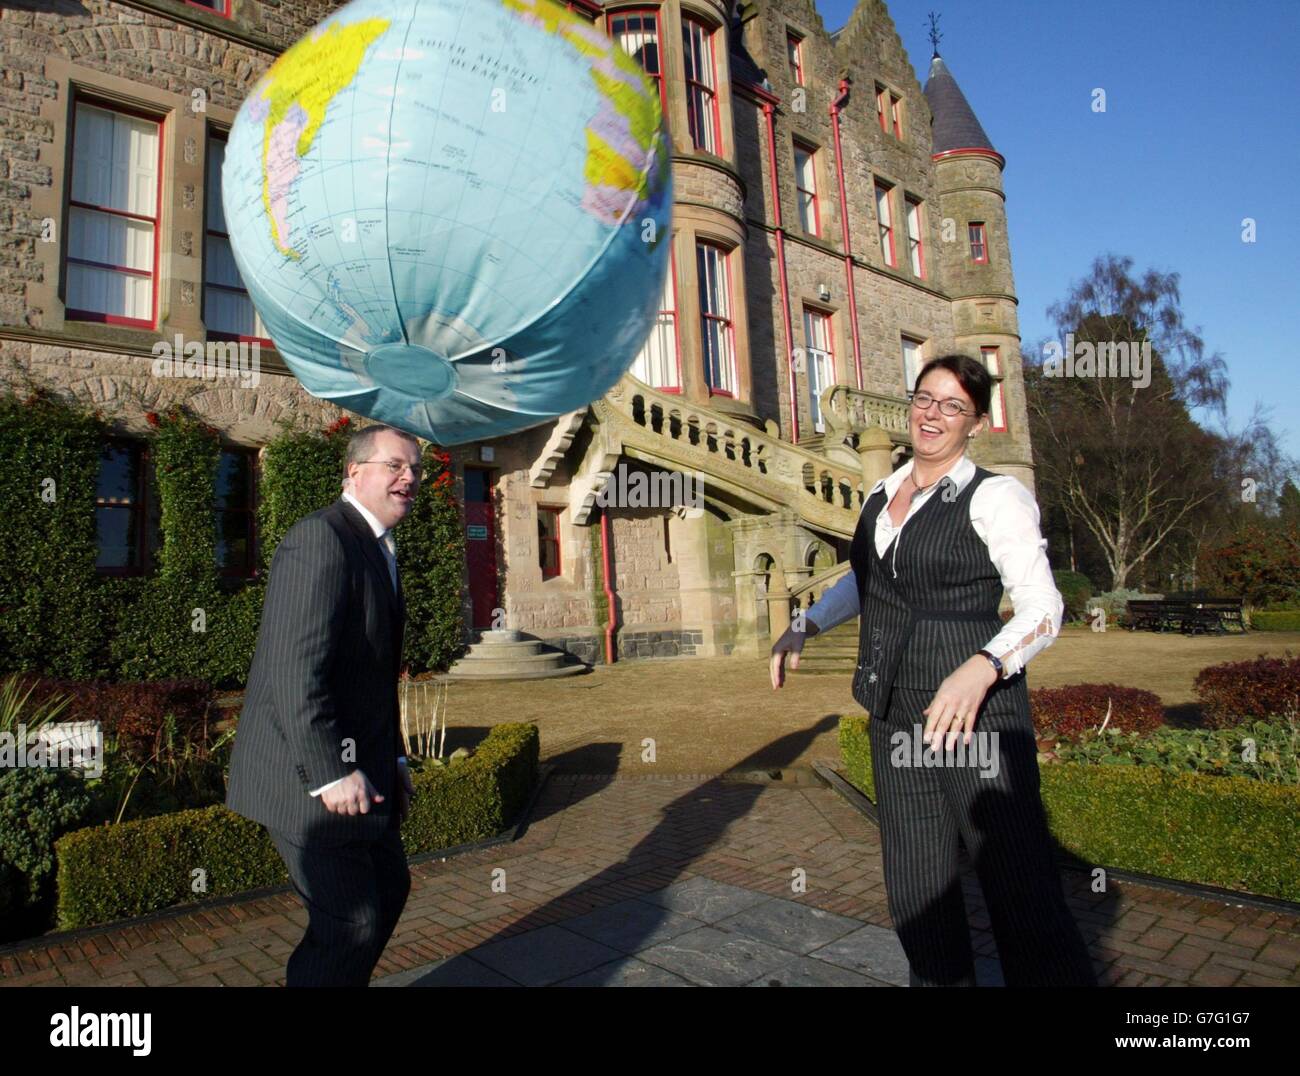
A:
x: 396, y: 467
x: 950, y: 407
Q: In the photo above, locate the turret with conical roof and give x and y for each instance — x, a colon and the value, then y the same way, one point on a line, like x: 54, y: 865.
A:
x: 976, y: 257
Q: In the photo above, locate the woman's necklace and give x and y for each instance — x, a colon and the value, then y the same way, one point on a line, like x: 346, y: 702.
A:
x: 918, y: 490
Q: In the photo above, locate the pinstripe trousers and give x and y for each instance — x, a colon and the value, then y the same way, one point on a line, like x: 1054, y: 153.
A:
x: 1000, y: 819
x: 354, y: 894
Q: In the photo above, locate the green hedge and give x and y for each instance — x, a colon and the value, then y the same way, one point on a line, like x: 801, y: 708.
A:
x: 115, y: 872
x: 1277, y: 620
x: 1232, y: 832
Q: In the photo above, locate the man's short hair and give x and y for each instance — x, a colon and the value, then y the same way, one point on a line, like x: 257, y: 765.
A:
x: 362, y: 443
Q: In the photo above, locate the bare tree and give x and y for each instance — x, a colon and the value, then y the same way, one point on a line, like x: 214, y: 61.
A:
x: 1123, y: 459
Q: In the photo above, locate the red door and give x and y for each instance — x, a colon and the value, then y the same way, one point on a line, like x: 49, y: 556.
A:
x: 481, y: 545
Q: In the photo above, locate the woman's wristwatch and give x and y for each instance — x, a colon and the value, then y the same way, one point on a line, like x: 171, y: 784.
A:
x: 997, y: 662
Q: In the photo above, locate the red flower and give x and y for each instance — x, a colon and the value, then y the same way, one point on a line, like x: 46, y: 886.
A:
x: 151, y: 417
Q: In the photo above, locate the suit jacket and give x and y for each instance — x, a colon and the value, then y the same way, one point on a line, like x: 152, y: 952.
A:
x: 322, y: 691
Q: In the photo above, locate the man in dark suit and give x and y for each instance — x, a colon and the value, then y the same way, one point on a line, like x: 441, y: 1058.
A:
x: 318, y: 757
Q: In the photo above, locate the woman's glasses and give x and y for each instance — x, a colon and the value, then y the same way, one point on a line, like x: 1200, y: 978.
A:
x: 950, y: 407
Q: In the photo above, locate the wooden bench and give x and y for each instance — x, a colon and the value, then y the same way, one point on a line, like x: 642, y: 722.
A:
x: 1188, y: 614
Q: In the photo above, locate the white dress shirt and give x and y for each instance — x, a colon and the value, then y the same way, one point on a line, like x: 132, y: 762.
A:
x: 1005, y: 516
x: 387, y: 544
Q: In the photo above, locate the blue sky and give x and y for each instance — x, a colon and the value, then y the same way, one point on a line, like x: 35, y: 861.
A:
x: 1202, y: 129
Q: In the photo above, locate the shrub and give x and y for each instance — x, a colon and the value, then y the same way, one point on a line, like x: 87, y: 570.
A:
x: 1076, y: 589
x: 1272, y: 754
x: 1115, y: 603
x: 1276, y: 620
x: 1260, y: 564
x: 134, y: 713
x: 1237, y: 691
x: 1232, y: 832
x: 110, y: 872
x: 1070, y: 711
x: 37, y: 806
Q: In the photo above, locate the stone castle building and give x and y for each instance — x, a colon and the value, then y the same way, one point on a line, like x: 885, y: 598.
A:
x: 835, y: 224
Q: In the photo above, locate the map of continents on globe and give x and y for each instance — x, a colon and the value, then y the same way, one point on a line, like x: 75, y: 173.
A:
x: 380, y: 106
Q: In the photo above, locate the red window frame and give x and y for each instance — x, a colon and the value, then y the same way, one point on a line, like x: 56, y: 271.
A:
x: 896, y: 115
x: 652, y: 13
x: 223, y: 10
x: 706, y: 34
x: 248, y: 569
x: 137, y: 506
x: 915, y: 242
x: 794, y: 51
x: 547, y: 538
x: 995, y: 367
x: 727, y: 320
x: 979, y: 243
x: 886, y: 230
x: 98, y: 316
x: 803, y: 147
x: 215, y: 135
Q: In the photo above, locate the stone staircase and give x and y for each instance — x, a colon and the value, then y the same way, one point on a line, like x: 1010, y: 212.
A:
x: 831, y: 653
x: 511, y: 655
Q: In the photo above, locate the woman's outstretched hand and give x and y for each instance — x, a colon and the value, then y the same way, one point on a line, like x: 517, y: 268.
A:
x: 952, y: 710
x: 790, y: 643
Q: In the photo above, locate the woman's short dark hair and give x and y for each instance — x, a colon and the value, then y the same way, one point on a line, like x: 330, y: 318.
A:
x: 970, y: 374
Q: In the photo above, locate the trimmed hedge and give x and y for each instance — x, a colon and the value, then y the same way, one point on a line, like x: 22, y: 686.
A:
x: 1276, y: 620
x: 115, y: 872
x: 1073, y: 710
x: 1238, y: 691
x: 1232, y: 832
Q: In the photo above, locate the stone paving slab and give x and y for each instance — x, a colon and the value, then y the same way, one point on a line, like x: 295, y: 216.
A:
x: 713, y: 860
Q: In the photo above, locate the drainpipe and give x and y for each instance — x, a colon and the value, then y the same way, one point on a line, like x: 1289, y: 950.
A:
x: 836, y: 105
x: 609, y: 593
x: 769, y: 111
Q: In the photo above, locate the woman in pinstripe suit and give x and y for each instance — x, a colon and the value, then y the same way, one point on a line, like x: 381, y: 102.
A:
x: 952, y: 741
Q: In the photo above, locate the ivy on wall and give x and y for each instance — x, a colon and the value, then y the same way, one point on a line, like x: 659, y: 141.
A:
x: 59, y: 617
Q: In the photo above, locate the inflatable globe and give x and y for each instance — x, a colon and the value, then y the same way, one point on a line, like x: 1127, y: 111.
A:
x: 452, y: 215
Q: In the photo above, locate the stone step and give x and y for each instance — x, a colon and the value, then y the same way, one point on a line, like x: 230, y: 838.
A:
x: 512, y: 672
x: 511, y: 655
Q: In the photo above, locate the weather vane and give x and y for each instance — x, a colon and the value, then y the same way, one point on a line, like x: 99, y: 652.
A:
x: 935, y: 35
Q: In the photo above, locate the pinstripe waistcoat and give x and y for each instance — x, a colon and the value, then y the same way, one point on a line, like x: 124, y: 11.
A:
x: 929, y: 604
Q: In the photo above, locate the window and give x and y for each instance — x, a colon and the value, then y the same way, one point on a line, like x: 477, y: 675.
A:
x: 794, y: 49
x: 126, y: 529
x: 638, y: 33
x: 889, y: 111
x: 228, y: 312
x: 979, y: 248
x: 113, y: 217
x: 701, y: 87
x: 236, y: 537
x: 997, y: 405
x: 821, y: 361
x: 915, y: 246
x: 716, y: 329
x: 912, y: 362
x: 805, y: 181
x: 220, y: 7
x: 657, y: 362
x: 548, y: 540
x: 886, y: 219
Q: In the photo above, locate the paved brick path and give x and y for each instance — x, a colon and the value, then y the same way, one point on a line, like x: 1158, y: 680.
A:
x: 713, y: 861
